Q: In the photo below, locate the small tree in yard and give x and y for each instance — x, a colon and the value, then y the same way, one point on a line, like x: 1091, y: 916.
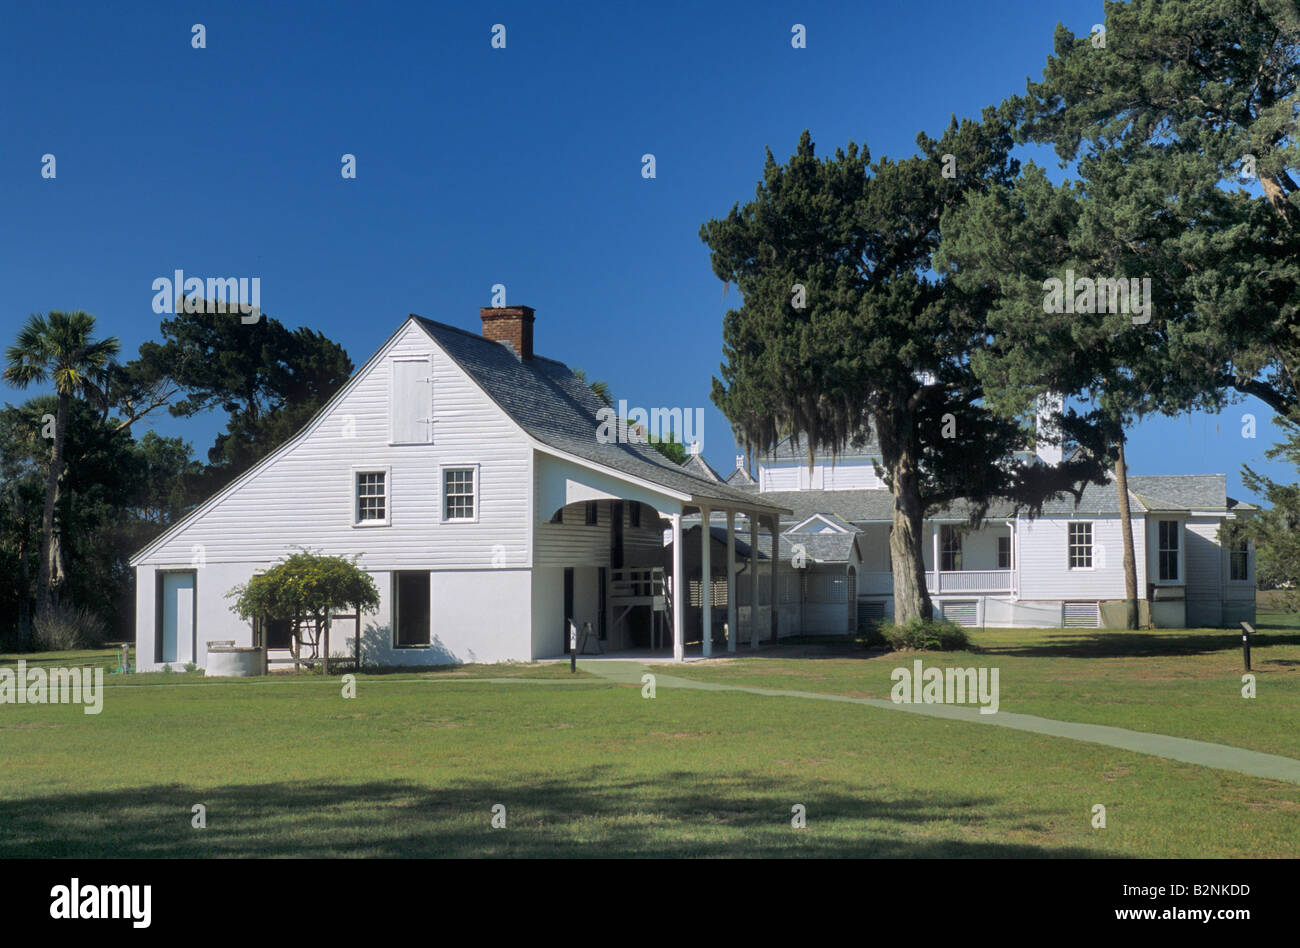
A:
x: 308, y: 586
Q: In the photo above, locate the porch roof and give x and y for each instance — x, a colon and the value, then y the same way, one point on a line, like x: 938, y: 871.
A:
x: 556, y: 408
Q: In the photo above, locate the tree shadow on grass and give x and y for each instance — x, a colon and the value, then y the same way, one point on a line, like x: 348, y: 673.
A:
x: 584, y: 815
x: 1121, y: 644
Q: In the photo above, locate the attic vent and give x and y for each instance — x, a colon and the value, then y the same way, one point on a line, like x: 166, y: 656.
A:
x: 963, y: 612
x: 1082, y: 615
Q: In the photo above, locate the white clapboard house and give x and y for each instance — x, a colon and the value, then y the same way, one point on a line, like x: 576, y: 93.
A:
x: 1064, y: 568
x: 469, y: 476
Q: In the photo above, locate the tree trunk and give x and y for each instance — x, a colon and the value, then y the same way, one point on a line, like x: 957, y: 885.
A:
x: 1126, y: 530
x: 906, y: 545
x: 325, y: 637
x: 50, y: 557
x: 26, y: 639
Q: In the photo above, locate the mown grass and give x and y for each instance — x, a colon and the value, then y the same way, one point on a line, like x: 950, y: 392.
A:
x: 414, y: 764
x: 1182, y: 682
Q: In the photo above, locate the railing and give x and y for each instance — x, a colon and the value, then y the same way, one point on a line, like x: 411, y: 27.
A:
x: 881, y: 582
x: 970, y: 580
x: 643, y: 583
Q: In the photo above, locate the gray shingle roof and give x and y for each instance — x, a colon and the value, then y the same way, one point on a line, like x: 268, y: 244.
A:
x: 555, y: 407
x: 697, y: 465
x: 819, y: 548
x: 1181, y: 491
x: 741, y: 479
x: 863, y: 506
x: 831, y: 518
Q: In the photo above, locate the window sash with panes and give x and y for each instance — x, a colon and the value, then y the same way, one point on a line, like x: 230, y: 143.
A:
x: 372, y: 497
x: 950, y: 548
x: 593, y: 512
x: 1239, y: 562
x: 1004, y: 552
x: 1168, y: 550
x: 458, y: 493
x: 1080, y: 542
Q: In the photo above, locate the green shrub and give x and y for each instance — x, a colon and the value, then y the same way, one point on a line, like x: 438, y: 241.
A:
x: 870, y: 636
x: 61, y: 628
x: 933, y: 636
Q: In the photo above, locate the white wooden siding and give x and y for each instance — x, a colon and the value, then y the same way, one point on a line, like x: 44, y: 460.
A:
x: 1203, y: 559
x: 304, y: 495
x: 1044, y: 567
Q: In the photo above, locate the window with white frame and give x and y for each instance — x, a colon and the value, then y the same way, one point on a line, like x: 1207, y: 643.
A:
x: 1239, y: 561
x: 372, y: 497
x: 1169, y: 530
x: 1004, y: 552
x: 458, y: 488
x: 1080, y: 545
x: 950, y: 548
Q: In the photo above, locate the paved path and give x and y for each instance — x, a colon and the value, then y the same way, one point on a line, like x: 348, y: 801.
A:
x: 1218, y: 756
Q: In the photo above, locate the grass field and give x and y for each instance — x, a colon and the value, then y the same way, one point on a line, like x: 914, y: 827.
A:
x: 585, y: 766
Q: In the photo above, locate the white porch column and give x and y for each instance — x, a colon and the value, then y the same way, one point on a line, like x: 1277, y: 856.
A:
x: 1014, y: 564
x: 732, y: 631
x: 753, y: 579
x: 706, y: 582
x: 776, y: 560
x: 678, y: 591
x: 934, y: 541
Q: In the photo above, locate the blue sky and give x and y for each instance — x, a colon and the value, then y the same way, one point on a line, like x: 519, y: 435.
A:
x: 476, y: 166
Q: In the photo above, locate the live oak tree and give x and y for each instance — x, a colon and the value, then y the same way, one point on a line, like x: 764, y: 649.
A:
x: 1190, y: 109
x: 269, y: 380
x: 1158, y: 118
x: 845, y: 331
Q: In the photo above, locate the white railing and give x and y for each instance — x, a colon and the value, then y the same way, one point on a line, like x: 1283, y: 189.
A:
x: 970, y: 580
x: 881, y: 582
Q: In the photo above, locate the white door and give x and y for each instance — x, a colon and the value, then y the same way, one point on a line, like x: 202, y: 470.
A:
x: 178, y: 617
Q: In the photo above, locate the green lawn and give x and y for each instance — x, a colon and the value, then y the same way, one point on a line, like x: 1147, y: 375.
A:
x: 414, y: 764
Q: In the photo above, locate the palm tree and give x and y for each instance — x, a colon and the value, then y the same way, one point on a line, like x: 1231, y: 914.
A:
x: 58, y: 347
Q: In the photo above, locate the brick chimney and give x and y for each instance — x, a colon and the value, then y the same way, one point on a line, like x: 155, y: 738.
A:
x: 510, y: 325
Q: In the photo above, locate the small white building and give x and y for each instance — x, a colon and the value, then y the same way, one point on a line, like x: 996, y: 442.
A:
x: 467, y: 474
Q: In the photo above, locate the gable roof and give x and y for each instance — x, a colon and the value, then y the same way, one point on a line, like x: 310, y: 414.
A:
x: 810, y: 525
x: 741, y: 479
x: 819, y: 548
x: 697, y: 465
x: 556, y: 408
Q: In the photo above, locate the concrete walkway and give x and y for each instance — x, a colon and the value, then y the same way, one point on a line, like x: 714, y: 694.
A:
x: 1218, y: 756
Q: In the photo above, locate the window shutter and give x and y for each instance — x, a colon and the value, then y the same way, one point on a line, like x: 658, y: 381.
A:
x: 410, y: 407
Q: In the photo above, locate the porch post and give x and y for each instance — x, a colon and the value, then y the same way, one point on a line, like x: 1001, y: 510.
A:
x: 732, y: 631
x: 706, y: 582
x: 1015, y: 587
x: 776, y: 560
x: 753, y: 579
x: 678, y: 654
x: 934, y: 543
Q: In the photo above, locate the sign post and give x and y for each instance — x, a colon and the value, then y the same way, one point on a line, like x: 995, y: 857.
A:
x: 1246, y: 630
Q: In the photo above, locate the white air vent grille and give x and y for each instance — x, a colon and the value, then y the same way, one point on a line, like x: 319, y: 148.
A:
x: 1082, y: 615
